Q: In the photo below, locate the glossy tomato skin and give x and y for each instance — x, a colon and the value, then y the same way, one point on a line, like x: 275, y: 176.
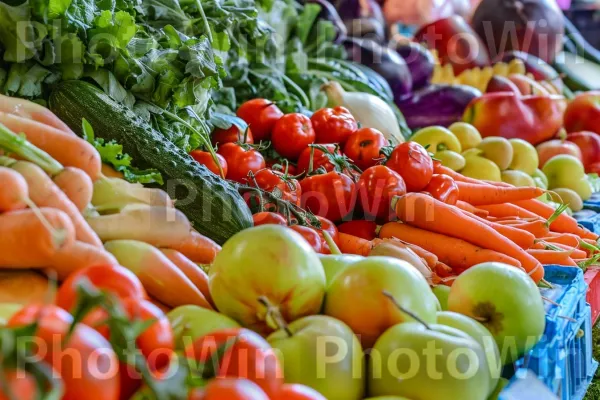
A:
x: 232, y: 135
x: 376, y: 188
x: 331, y: 195
x: 293, y: 391
x: 320, y: 159
x: 360, y: 228
x: 229, y: 389
x: 364, y: 147
x: 240, y: 161
x: 270, y: 181
x: 206, y: 159
x: 443, y: 188
x: 261, y: 115
x: 311, y: 236
x: 268, y: 218
x: 413, y: 163
x: 20, y: 384
x: 292, y: 134
x: 333, y: 125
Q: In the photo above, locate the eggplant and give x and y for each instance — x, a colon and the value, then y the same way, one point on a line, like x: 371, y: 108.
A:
x: 352, y: 9
x: 386, y: 62
x: 419, y: 60
x: 329, y: 13
x: 366, y: 28
x: 437, y: 105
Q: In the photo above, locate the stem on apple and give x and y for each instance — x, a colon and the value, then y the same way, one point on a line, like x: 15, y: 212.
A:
x: 274, y: 315
x: 405, y: 310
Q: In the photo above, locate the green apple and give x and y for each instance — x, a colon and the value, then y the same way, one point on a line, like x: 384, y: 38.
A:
x: 504, y: 299
x: 525, y: 156
x: 323, y: 353
x: 467, y: 135
x: 356, y: 296
x: 387, y: 398
x: 450, y: 159
x: 7, y: 310
x: 263, y: 269
x: 539, y: 174
x: 335, y: 263
x: 517, y: 178
x: 436, y: 362
x: 566, y: 171
x: 497, y: 149
x: 192, y: 322
x: 502, y: 382
x: 478, y: 167
x: 569, y: 197
x: 442, y: 292
x: 437, y: 138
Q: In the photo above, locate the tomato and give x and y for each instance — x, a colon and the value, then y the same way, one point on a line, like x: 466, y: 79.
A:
x: 232, y: 135
x: 261, y: 115
x: 327, y: 225
x: 364, y: 147
x: 294, y: 391
x: 593, y: 168
x: 292, y: 134
x: 280, y: 165
x: 320, y: 159
x: 245, y: 354
x: 284, y: 187
x: 267, y: 218
x: 84, y: 359
x: 360, y: 228
x: 333, y: 125
x: 311, y: 236
x: 206, y: 159
x: 20, y: 384
x: 331, y: 195
x: 229, y: 389
x: 376, y: 188
x: 240, y: 161
x: 114, y: 279
x: 443, y: 188
x: 413, y: 163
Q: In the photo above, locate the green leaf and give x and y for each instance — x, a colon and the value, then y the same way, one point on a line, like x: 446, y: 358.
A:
x: 306, y: 21
x: 81, y: 14
x: 112, y: 32
x: 46, y: 10
x: 20, y: 37
x: 199, y: 58
x: 25, y: 80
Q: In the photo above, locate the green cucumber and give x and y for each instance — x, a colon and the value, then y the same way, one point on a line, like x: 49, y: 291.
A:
x: 584, y: 48
x: 579, y: 74
x: 213, y: 205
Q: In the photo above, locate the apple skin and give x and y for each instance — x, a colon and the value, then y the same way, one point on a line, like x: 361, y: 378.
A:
x: 442, y: 292
x: 528, y: 86
x: 589, y: 144
x: 583, y: 113
x: 517, y: 178
x: 525, y: 157
x: 387, y: 398
x: 191, y: 322
x: 478, y: 167
x: 509, y: 302
x: 499, y: 83
x: 303, y: 357
x: 468, y: 136
x: 333, y: 264
x: 570, y: 197
x: 502, y: 382
x: 552, y: 148
x: 497, y: 149
x: 451, y: 159
x: 356, y: 296
x: 566, y: 171
x: 408, y: 349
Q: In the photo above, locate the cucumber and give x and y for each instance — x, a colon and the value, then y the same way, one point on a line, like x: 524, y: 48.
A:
x: 213, y: 205
x: 584, y: 48
x: 579, y: 74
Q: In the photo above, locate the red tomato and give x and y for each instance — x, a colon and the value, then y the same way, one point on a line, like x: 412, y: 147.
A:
x: 292, y: 134
x: 359, y: 228
x: 443, y: 188
x: 268, y: 218
x: 279, y: 165
x: 246, y: 355
x: 85, y: 360
x: 413, y: 163
x: 261, y: 115
x: 229, y: 389
x: 114, y: 279
x: 20, y: 384
x: 310, y: 235
x: 232, y: 135
x: 296, y: 391
x: 240, y: 161
x: 206, y: 159
x: 364, y: 147
x: 333, y: 125
x: 593, y: 168
x: 327, y: 225
x: 331, y: 195
x: 376, y: 188
x: 273, y: 181
x: 320, y: 159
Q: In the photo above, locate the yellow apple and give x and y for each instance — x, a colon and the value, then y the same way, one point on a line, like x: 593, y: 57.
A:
x: 478, y: 167
x: 437, y: 138
x: 497, y: 149
x: 570, y: 197
x: 517, y: 178
x: 566, y: 171
x: 451, y: 159
x: 525, y: 156
x: 467, y: 135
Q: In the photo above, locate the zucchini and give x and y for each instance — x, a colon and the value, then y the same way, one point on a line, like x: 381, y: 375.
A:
x: 213, y: 205
x: 579, y: 74
x: 582, y: 46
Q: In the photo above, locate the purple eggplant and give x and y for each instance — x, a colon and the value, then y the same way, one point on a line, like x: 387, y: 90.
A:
x: 419, y: 60
x: 366, y: 28
x: 329, y: 13
x: 352, y: 9
x: 384, y: 61
x: 437, y: 105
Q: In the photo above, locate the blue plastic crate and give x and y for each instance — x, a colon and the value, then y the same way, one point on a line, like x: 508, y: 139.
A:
x: 592, y: 223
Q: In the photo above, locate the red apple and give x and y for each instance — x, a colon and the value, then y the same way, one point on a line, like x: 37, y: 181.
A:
x: 583, y: 113
x: 589, y: 144
x: 552, y: 148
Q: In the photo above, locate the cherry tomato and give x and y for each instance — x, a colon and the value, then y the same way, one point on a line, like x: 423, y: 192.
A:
x: 310, y: 235
x: 20, y: 384
x: 229, y: 389
x: 327, y: 225
x: 364, y: 147
x: 292, y: 134
x: 443, y: 188
x: 206, y: 159
x: 232, y: 135
x: 246, y: 355
x: 333, y: 125
x: 273, y: 181
x: 114, y: 279
x: 413, y: 163
x: 294, y: 391
x: 320, y: 159
x: 331, y: 195
x: 240, y: 161
x: 268, y: 218
x: 376, y: 188
x: 359, y: 228
x: 261, y: 115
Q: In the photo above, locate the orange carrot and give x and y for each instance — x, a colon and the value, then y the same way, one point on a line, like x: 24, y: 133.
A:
x: 350, y: 244
x: 77, y: 185
x: 538, y: 228
x: 67, y: 149
x: 458, y: 254
x: 458, y: 177
x: 163, y: 307
x: 481, y: 194
x: 564, y: 238
x: 198, y: 248
x: 14, y: 192
x: 507, y: 210
x: 442, y: 270
x: 21, y: 287
x: 463, y: 205
x: 552, y: 257
x: 74, y: 257
x: 520, y: 237
x: 194, y: 273
x: 427, y: 213
x: 110, y: 172
x: 575, y: 253
x: 30, y: 110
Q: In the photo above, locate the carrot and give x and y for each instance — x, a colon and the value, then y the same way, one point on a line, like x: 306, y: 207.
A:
x: 427, y: 213
x: 14, y: 192
x: 78, y: 255
x: 350, y: 244
x: 442, y: 270
x: 507, y: 210
x: 163, y: 307
x: 110, y: 172
x: 430, y: 258
x: 194, y: 273
x: 44, y: 193
x: 76, y: 185
x: 458, y: 254
x: 575, y: 253
x: 160, y: 277
x: 197, y: 248
x: 522, y: 238
x: 440, y: 169
x: 538, y: 228
x: 565, y: 238
x: 13, y: 283
x: 28, y: 238
x: 482, y: 194
x: 553, y: 257
x: 30, y: 110
x: 66, y: 149
x: 468, y: 207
